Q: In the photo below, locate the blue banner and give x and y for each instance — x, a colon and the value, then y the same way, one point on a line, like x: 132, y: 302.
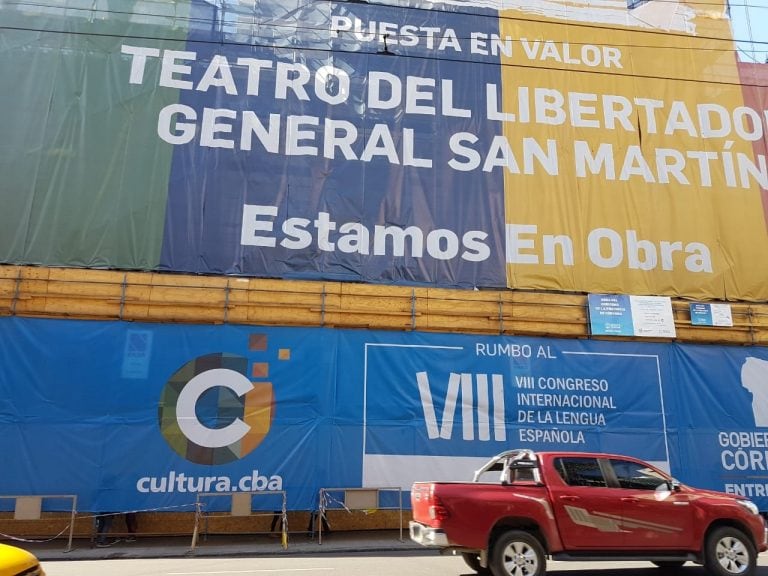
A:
x: 132, y: 416
x: 328, y: 160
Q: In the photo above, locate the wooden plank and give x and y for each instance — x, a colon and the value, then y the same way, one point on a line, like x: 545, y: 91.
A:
x: 155, y: 297
x: 10, y: 272
x: 7, y: 287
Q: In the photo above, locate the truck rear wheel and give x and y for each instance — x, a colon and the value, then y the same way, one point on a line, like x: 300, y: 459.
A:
x: 728, y: 552
x: 518, y: 553
x: 473, y: 561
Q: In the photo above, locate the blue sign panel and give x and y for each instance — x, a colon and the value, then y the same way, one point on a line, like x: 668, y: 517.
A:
x: 701, y: 315
x: 610, y: 315
x: 711, y: 314
x: 146, y: 417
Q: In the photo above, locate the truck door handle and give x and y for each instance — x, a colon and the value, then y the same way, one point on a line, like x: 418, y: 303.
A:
x: 629, y: 499
x: 569, y: 498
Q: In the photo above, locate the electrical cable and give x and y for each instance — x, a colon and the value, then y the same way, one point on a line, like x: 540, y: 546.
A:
x: 415, y: 8
x: 412, y: 56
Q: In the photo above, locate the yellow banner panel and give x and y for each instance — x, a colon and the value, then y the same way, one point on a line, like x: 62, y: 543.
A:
x: 635, y: 158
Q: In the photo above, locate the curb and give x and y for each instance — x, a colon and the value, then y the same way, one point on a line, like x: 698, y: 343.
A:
x: 355, y: 543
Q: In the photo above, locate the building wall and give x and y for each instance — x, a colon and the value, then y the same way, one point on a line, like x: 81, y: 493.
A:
x: 473, y: 169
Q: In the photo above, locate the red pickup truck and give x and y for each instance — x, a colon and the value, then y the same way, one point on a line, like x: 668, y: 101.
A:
x: 584, y: 506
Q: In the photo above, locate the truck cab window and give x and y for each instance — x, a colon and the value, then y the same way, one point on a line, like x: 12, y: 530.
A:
x: 580, y: 472
x: 636, y: 476
x: 521, y: 475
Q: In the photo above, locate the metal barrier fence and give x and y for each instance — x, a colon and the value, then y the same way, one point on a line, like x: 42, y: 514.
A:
x: 31, y: 508
x: 357, y: 499
x: 241, y: 504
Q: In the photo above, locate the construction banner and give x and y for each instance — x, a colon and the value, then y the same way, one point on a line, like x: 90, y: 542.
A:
x: 132, y: 416
x: 617, y: 148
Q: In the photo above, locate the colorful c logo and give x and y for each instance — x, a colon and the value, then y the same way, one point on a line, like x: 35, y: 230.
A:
x: 211, y: 413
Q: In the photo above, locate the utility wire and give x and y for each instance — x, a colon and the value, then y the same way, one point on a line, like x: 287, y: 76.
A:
x: 297, y: 27
x: 409, y: 56
x: 443, y: 59
x: 273, y: 24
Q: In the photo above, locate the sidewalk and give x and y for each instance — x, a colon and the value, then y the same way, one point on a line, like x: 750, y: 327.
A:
x: 225, y: 545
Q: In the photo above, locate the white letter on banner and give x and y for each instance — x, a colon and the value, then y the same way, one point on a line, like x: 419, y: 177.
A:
x: 515, y: 244
x: 641, y: 253
x: 355, y: 239
x: 747, y: 168
x: 324, y: 225
x: 532, y: 150
x: 270, y: 138
x: 500, y: 154
x: 296, y: 83
x: 252, y: 224
x: 635, y: 165
x: 435, y: 241
x: 294, y: 136
x: 650, y: 106
x: 492, y: 105
x: 339, y: 134
x: 340, y: 24
x: 483, y: 408
x: 375, y: 99
x: 187, y: 130
x: 448, y: 109
x: 552, y: 242
x: 414, y: 95
x: 297, y: 237
x: 380, y: 143
x: 476, y: 249
x: 467, y: 404
x: 472, y: 156
x: 705, y: 112
x: 218, y: 74
x: 399, y: 236
x: 602, y: 160
x: 139, y: 61
x: 753, y: 133
x: 170, y: 67
x: 578, y: 108
x: 186, y: 408
x: 549, y: 106
x: 210, y: 127
x: 430, y: 418
x: 670, y: 161
x: 699, y: 259
x: 616, y: 253
x: 704, y: 159
x: 323, y: 80
x: 254, y: 73
x: 680, y: 119
x: 617, y: 108
x: 409, y: 154
x: 427, y: 406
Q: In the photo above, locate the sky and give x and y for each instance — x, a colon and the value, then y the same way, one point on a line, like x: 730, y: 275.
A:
x: 750, y: 29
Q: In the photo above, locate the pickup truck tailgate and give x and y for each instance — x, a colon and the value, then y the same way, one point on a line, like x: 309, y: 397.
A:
x: 421, y: 500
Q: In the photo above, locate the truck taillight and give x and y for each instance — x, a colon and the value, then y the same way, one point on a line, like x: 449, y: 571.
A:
x: 437, y: 511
